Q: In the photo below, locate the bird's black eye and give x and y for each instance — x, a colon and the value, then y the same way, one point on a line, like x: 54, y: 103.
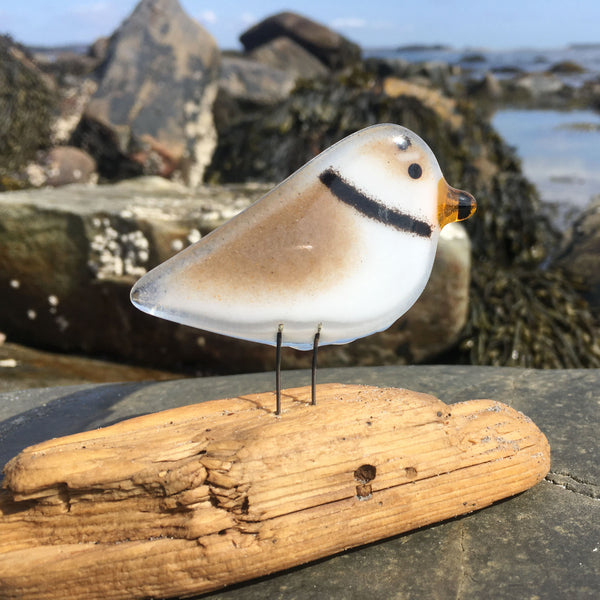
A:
x: 415, y: 171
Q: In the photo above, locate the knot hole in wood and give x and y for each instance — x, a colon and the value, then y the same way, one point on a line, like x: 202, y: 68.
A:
x: 364, y: 475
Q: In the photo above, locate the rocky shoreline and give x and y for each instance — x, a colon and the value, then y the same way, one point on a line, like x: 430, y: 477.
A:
x: 182, y: 136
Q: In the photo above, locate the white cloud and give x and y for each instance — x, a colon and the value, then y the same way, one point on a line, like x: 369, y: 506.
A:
x: 91, y: 9
x: 391, y: 25
x: 248, y: 19
x: 208, y: 17
x: 348, y: 23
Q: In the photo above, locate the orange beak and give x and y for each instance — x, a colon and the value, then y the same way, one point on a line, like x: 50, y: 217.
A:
x: 453, y: 205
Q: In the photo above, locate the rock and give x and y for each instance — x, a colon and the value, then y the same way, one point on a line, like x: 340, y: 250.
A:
x: 254, y: 82
x: 73, y: 98
x: 332, y: 49
x: 385, y: 67
x: 540, y: 84
x: 554, y: 89
x: 99, y: 48
x: 436, y: 73
x: 566, y: 67
x: 28, y: 98
x: 542, y: 543
x: 444, y: 108
x: 472, y: 57
x: 153, y: 107
x: 590, y: 93
x: 540, y: 90
x: 507, y: 70
x: 580, y: 254
x: 284, y: 53
x: 428, y: 331
x: 246, y: 85
x: 66, y: 164
x: 488, y: 88
x: 70, y: 256
x: 318, y: 114
x: 23, y: 368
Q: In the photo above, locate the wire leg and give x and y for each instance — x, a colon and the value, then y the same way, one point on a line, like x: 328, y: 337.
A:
x: 278, y: 370
x: 314, y: 367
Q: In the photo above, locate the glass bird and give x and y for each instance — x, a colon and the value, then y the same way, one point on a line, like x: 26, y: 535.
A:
x: 339, y: 250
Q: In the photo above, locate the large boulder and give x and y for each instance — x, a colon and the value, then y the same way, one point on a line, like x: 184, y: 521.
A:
x: 152, y: 111
x: 253, y: 82
x: 284, y: 53
x: 332, y: 49
x: 69, y: 256
x: 269, y: 144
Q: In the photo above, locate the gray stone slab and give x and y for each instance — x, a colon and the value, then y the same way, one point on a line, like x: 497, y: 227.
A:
x: 544, y: 543
x: 23, y: 368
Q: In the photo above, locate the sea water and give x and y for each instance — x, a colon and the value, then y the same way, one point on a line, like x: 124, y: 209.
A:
x: 560, y: 153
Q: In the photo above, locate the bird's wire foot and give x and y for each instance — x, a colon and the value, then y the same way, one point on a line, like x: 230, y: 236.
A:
x: 313, y: 390
x: 278, y: 369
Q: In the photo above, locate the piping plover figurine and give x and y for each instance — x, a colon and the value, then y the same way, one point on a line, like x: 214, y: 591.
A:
x: 339, y: 250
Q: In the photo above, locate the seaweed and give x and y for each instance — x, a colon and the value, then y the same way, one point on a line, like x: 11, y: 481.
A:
x: 26, y: 107
x: 525, y: 317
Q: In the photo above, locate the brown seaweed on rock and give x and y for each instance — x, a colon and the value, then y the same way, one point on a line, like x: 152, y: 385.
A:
x: 521, y: 313
x: 26, y: 106
x: 525, y: 317
x: 268, y: 144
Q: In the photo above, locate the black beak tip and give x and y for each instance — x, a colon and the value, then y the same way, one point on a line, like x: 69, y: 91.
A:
x: 466, y: 206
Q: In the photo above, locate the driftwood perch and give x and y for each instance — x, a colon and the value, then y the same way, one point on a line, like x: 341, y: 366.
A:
x: 195, y: 498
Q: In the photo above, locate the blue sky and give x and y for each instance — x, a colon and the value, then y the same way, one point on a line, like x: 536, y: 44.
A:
x: 460, y: 23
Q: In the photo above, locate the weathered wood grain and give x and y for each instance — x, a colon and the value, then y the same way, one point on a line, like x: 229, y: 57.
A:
x: 195, y: 498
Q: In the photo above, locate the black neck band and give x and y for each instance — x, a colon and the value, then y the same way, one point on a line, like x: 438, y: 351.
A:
x: 368, y: 207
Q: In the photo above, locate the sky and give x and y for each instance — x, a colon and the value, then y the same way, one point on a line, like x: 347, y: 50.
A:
x: 492, y: 24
